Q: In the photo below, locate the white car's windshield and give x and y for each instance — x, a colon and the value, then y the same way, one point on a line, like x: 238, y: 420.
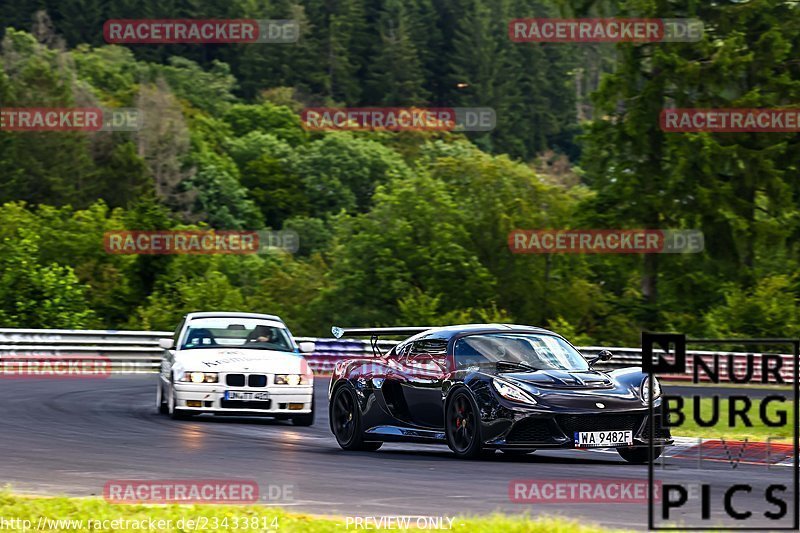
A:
x: 235, y: 332
x: 538, y: 352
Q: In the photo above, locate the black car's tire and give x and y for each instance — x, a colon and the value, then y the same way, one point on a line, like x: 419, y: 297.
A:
x: 345, y: 419
x: 639, y: 456
x: 462, y: 425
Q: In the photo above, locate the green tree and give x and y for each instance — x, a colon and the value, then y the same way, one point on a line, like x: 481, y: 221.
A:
x: 265, y: 164
x: 51, y: 167
x: 265, y: 117
x: 33, y: 295
x: 347, y: 31
x: 341, y: 171
x: 734, y: 187
x: 382, y: 256
x: 396, y: 76
x: 769, y: 309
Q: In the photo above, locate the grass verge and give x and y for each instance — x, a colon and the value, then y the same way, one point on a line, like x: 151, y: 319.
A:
x: 94, y: 514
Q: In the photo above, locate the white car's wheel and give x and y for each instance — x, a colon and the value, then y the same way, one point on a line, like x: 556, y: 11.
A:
x: 175, y: 413
x: 161, y: 403
x: 306, y: 419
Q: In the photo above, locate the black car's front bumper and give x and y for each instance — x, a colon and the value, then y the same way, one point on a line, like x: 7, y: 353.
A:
x: 524, y: 430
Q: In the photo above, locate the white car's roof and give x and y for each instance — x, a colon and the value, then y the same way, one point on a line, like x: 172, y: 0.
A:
x: 223, y: 314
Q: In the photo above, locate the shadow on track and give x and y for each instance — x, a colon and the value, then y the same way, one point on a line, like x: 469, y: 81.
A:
x: 446, y: 454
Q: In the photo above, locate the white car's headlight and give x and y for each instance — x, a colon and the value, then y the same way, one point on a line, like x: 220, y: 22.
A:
x: 292, y: 379
x: 646, y: 389
x: 199, y: 377
x: 512, y: 392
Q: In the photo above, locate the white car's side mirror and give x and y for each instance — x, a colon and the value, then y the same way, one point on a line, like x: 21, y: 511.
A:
x: 165, y: 343
x: 307, y: 347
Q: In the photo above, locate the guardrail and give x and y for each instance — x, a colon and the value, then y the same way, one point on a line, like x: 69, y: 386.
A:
x: 138, y: 351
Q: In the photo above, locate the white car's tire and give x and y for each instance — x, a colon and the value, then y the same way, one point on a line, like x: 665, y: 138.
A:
x: 161, y: 403
x: 305, y: 419
x: 174, y: 413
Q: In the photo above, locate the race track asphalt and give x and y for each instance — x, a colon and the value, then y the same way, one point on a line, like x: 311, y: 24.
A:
x: 71, y: 436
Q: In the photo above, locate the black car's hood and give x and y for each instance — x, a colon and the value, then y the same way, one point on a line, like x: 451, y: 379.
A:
x: 562, y: 379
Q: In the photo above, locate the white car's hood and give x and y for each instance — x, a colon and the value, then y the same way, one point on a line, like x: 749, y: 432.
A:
x: 239, y: 360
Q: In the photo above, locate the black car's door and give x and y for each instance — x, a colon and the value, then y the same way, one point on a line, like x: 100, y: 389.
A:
x: 420, y: 381
x: 388, y: 384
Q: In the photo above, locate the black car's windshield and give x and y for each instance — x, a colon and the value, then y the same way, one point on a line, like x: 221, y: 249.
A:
x: 235, y: 332
x: 528, y: 350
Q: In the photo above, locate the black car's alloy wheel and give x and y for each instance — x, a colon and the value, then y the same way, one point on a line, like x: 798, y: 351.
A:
x: 462, y: 426
x: 346, y: 421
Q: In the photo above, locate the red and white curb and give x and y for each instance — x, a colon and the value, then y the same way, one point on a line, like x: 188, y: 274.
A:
x: 728, y: 451
x: 732, y: 451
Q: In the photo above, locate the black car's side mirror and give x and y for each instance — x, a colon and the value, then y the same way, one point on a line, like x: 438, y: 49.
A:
x: 603, y: 355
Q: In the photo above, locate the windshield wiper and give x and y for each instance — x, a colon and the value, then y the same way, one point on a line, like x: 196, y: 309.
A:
x: 517, y: 364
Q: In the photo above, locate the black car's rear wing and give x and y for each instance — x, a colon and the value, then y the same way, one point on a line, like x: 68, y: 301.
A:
x: 374, y: 333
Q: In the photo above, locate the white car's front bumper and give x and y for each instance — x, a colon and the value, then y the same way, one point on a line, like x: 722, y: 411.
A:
x: 210, y: 398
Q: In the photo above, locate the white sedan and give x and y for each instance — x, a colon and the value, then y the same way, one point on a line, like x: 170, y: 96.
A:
x: 236, y: 364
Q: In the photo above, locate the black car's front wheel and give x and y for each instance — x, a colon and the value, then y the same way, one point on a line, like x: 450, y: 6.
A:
x: 462, y: 425
x: 346, y: 421
x: 639, y: 455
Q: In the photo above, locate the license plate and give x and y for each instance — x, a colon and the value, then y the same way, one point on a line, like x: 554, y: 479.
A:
x: 603, y: 439
x: 246, y: 396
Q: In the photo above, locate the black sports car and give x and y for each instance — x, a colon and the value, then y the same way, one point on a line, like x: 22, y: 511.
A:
x: 483, y: 387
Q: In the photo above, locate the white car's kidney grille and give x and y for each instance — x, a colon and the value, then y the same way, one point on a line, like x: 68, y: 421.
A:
x: 235, y: 380
x: 256, y: 380
x: 251, y: 380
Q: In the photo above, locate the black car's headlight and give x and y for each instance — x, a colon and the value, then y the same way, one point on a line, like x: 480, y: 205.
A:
x: 199, y: 377
x: 646, y: 389
x: 512, y: 392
